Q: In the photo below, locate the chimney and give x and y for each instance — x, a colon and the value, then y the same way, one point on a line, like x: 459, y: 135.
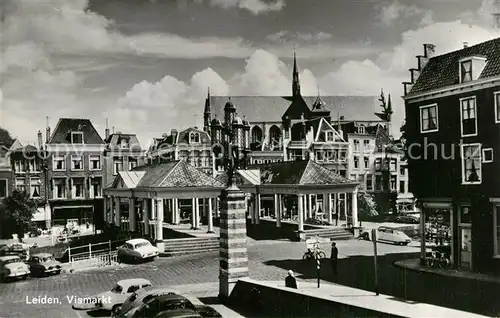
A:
x: 47, y: 130
x: 429, y: 50
x: 40, y: 140
x: 106, y: 131
x: 466, y: 45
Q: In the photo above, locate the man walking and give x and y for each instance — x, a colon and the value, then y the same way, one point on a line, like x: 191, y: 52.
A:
x: 333, y: 258
x: 290, y: 280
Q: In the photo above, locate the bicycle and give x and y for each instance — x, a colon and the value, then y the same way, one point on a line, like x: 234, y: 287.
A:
x: 314, y: 253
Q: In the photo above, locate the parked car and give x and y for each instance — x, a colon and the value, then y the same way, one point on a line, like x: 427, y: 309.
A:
x: 113, y: 299
x: 137, y: 250
x: 138, y: 297
x: 44, y: 264
x: 387, y: 235
x: 179, y: 313
x: 407, y: 219
x: 12, y: 267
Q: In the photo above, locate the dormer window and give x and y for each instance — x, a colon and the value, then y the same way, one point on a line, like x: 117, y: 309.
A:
x: 471, y: 68
x: 329, y: 136
x: 361, y: 129
x: 124, y: 144
x: 77, y: 137
x: 194, y: 137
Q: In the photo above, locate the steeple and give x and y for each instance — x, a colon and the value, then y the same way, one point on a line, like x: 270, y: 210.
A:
x: 295, y: 77
x: 207, y: 113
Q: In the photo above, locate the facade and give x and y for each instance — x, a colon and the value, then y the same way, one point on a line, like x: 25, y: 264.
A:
x: 6, y: 175
x: 192, y: 145
x: 123, y: 153
x: 75, y: 172
x: 452, y: 131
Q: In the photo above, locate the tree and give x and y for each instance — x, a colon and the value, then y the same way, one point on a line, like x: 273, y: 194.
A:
x: 18, y: 209
x: 5, y: 138
x: 367, y: 207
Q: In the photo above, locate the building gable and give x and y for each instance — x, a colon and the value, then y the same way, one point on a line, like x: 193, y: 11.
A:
x: 323, y: 127
x: 65, y: 126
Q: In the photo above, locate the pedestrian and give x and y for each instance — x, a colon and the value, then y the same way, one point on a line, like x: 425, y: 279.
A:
x: 290, y: 280
x: 334, y: 258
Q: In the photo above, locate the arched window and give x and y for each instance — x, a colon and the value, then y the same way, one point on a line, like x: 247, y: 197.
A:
x: 256, y: 138
x: 275, y: 137
x: 194, y: 137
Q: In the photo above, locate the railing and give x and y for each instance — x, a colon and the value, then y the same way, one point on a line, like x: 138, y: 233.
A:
x: 93, y: 255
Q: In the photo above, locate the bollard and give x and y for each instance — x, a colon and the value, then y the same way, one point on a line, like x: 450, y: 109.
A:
x: 374, y: 239
x: 318, y: 268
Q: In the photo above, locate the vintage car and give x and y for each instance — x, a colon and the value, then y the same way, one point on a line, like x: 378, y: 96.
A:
x: 179, y: 313
x: 12, y: 267
x: 44, y: 264
x: 137, y: 250
x: 387, y: 235
x: 138, y: 297
x: 113, y: 299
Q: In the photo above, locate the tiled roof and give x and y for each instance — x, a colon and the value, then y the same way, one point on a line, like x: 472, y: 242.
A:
x: 325, y: 126
x: 272, y: 108
x: 182, y: 137
x: 131, y: 178
x: 443, y: 70
x: 64, y: 127
x: 114, y: 140
x: 175, y: 174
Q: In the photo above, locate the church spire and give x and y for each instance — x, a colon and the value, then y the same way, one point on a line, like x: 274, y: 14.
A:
x: 207, y: 113
x: 295, y: 77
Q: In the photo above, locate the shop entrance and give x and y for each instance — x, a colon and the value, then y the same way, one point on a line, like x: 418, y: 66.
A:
x: 465, y: 237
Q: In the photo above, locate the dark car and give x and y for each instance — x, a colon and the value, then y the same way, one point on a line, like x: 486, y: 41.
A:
x: 44, y: 264
x: 159, y: 304
x: 407, y: 219
x: 179, y: 313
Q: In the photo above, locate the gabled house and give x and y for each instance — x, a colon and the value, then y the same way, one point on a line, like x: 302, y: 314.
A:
x: 6, y: 175
x: 453, y: 138
x: 75, y: 173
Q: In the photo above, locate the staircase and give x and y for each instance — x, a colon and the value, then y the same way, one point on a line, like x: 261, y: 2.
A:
x: 333, y: 233
x: 184, y: 246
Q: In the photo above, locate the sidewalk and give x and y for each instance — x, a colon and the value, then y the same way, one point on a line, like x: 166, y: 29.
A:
x: 364, y: 299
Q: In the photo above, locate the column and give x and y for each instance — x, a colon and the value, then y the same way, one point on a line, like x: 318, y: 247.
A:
x: 257, y: 208
x: 280, y: 210
x: 345, y: 205
x: 118, y: 216
x: 154, y: 210
x: 335, y: 207
x: 131, y: 214
x: 197, y: 214
x: 217, y: 206
x: 210, y: 217
x: 233, y: 255
x: 301, y: 212
x: 193, y: 213
x: 309, y: 205
x: 354, y: 207
x: 177, y: 211
x: 277, y: 209
x: 145, y: 216
x: 105, y: 208
x: 159, y: 224
x: 327, y: 197
x: 253, y: 209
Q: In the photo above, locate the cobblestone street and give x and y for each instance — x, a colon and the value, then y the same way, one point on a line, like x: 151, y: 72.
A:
x: 193, y: 269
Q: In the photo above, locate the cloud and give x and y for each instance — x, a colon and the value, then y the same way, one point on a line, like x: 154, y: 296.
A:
x: 389, y: 14
x: 254, y: 6
x: 287, y: 36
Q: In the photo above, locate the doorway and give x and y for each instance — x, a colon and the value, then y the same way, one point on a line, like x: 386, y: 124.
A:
x: 465, y: 237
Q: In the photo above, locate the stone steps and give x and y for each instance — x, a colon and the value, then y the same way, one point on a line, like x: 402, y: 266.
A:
x: 331, y: 233
x: 186, y: 246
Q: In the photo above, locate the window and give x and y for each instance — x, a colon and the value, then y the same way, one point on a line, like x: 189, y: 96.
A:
x: 466, y: 71
x: 35, y: 187
x: 319, y: 155
x: 402, y: 171
x: 393, y: 165
x: 342, y: 156
x: 95, y: 162
x: 393, y: 182
x: 429, y: 118
x: 369, y: 182
x: 367, y: 162
x: 487, y: 155
x: 361, y: 129
x: 34, y: 166
x: 124, y: 143
x: 77, y: 137
x: 402, y: 188
x: 95, y: 188
x: 117, y: 165
x: 194, y: 137
x: 132, y: 163
x: 378, y: 164
x: 465, y: 215
x: 378, y: 183
x: 356, y: 162
x: 356, y: 145
x: 18, y: 166
x: 329, y: 136
x: 59, y: 188
x: 76, y: 163
x: 468, y: 116
x: 21, y: 184
x: 471, y: 163
x: 497, y: 107
x: 77, y: 188
x: 496, y: 233
x: 366, y: 146
x: 59, y: 163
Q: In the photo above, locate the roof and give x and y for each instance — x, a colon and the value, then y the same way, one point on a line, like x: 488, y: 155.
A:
x: 114, y: 141
x: 6, y: 258
x: 272, y: 108
x: 179, y: 313
x: 136, y: 241
x: 41, y: 255
x: 174, y: 174
x: 443, y: 70
x: 64, y: 127
x: 133, y: 281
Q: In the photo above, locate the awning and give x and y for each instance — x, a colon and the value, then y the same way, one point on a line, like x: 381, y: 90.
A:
x: 40, y: 215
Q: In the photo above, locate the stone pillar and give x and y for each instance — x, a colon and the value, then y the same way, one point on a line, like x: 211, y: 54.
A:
x: 277, y: 212
x: 131, y: 214
x: 354, y: 207
x: 145, y: 216
x: 118, y: 216
x: 252, y: 205
x: 216, y: 212
x: 309, y: 206
x: 105, y: 208
x: 257, y: 208
x: 177, y: 211
x: 153, y: 211
x: 210, y: 217
x: 335, y: 207
x: 327, y: 198
x: 193, y: 213
x: 159, y: 224
x: 233, y: 255
x: 344, y: 196
x: 197, y: 214
x: 280, y: 210
x: 301, y: 212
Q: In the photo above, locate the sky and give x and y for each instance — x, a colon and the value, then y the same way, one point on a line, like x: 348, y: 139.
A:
x: 146, y: 65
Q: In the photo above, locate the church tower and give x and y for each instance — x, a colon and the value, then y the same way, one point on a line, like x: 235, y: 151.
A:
x: 207, y: 114
x: 295, y: 78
